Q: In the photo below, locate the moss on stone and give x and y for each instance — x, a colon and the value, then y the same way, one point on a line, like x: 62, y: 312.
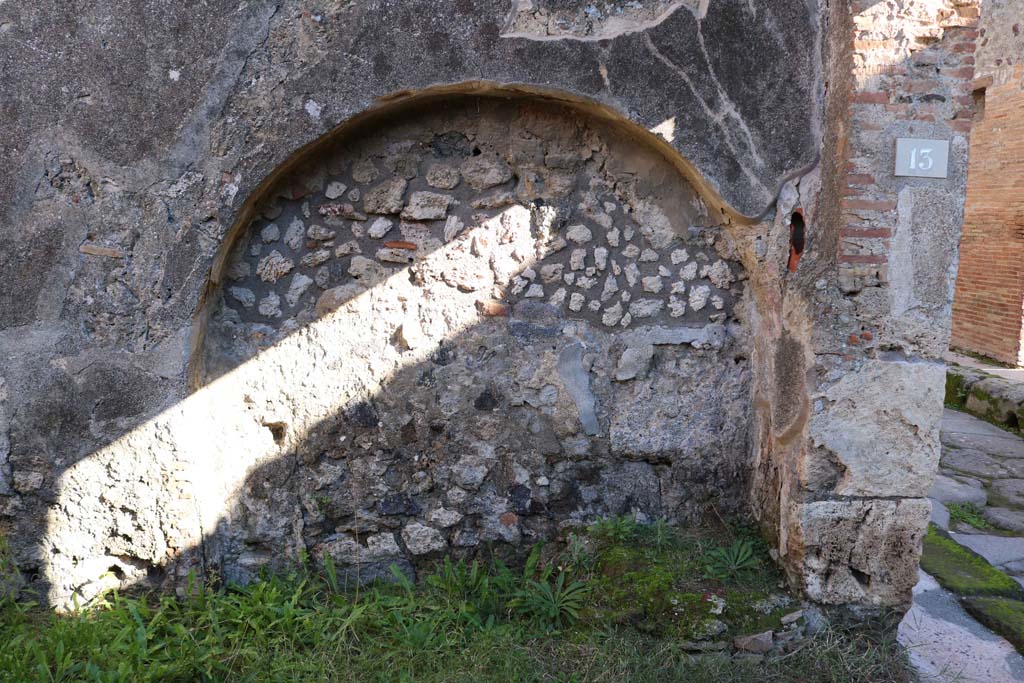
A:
x: 664, y: 589
x: 955, y: 390
x: 1005, y: 616
x: 962, y: 571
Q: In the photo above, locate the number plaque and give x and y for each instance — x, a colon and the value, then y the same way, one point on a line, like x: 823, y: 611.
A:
x: 922, y: 158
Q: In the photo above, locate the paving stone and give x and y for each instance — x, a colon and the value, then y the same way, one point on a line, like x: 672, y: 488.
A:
x: 940, y: 515
x: 1005, y: 518
x: 975, y: 462
x: 998, y: 550
x: 945, y: 644
x: 958, y: 422
x: 963, y: 431
x: 1004, y: 616
x: 949, y: 490
x: 1009, y: 492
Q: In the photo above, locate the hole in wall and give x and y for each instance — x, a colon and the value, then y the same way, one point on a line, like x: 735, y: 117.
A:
x: 862, y: 578
x: 796, y: 239
x: 277, y: 431
x: 978, y: 96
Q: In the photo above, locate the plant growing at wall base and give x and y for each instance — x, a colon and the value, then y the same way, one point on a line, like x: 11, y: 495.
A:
x: 553, y: 604
x: 614, y: 529
x: 731, y: 561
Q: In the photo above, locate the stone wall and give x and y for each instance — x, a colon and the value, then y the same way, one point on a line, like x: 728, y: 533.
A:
x: 848, y: 350
x: 987, y: 309
x: 533, y: 324
x: 198, y: 375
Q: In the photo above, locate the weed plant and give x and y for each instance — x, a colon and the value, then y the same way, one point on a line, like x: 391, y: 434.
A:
x: 969, y: 514
x: 614, y: 605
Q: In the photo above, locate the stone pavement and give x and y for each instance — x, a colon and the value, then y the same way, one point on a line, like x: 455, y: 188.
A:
x: 946, y: 644
x: 1011, y: 374
x: 982, y: 465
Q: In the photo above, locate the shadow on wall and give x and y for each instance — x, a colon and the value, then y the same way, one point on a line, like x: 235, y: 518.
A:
x: 479, y: 320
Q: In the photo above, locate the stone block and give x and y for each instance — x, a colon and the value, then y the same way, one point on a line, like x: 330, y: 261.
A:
x: 857, y: 551
x: 881, y: 423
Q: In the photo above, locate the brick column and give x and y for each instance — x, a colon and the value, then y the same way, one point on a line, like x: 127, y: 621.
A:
x: 912, y: 72
x: 987, y: 310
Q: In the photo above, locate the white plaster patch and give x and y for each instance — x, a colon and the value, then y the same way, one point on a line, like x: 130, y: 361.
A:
x: 666, y: 129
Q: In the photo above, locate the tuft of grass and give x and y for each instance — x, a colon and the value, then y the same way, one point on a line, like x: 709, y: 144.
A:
x: 465, y: 621
x: 968, y: 513
x: 961, y: 571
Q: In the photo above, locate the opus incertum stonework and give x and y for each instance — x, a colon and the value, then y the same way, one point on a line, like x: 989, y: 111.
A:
x: 387, y: 281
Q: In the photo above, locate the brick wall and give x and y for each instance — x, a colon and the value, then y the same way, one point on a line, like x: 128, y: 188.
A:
x: 987, y: 309
x: 912, y: 69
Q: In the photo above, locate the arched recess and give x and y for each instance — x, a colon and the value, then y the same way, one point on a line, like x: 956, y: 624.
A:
x: 473, y: 315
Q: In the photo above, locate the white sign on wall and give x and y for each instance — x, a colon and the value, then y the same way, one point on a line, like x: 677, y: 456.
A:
x: 922, y: 158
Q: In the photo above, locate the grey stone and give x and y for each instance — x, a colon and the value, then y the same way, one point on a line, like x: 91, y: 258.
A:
x: 580, y: 234
x: 426, y: 206
x: 577, y: 382
x: 483, y: 173
x: 273, y: 266
x: 295, y: 235
x: 316, y: 258
x: 364, y: 171
x: 944, y: 643
x: 792, y: 617
x: 445, y: 518
x: 998, y: 550
x: 270, y: 233
x: 758, y: 643
x: 651, y: 284
x: 940, y: 514
x: 347, y: 249
x: 320, y: 233
x: 380, y: 227
x: 949, y: 490
x: 645, y: 308
x: 386, y: 198
x: 423, y: 540
x: 244, y: 296
x: 1005, y: 518
x: 975, y: 463
x: 443, y: 176
x: 966, y: 432
x: 270, y: 305
x: 335, y: 190
x: 299, y: 284
x: 634, y: 362
x: 1010, y: 491
x: 699, y: 297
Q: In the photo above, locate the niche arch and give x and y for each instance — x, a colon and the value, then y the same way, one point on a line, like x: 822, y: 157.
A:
x: 476, y: 316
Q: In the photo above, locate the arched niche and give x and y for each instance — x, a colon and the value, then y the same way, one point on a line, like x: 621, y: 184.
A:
x: 476, y: 318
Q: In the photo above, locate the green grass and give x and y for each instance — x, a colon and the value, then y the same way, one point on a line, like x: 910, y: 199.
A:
x: 614, y: 605
x: 961, y: 571
x: 969, y: 514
